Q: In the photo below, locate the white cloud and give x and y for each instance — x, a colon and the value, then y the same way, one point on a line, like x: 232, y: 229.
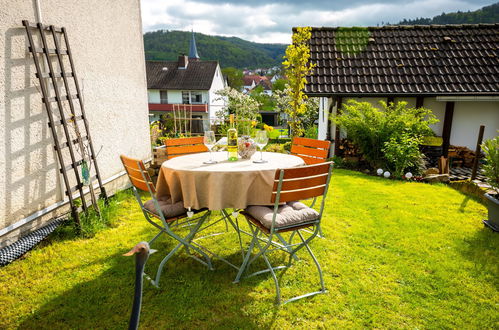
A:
x: 272, y: 22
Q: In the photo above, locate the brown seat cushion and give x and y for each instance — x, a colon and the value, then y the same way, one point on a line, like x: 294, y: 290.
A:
x: 168, y: 208
x: 292, y: 213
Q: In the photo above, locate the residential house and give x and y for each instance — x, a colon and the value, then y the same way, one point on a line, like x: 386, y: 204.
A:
x: 189, y: 84
x: 451, y: 69
x: 252, y: 81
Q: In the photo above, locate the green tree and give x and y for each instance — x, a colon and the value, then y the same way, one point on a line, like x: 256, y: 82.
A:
x: 234, y: 77
x: 279, y: 85
x: 244, y: 107
x: 487, y: 14
x: 266, y: 102
x: 297, y: 67
x: 282, y: 100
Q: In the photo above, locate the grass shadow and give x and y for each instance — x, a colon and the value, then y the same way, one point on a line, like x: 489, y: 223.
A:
x: 481, y: 249
x: 190, y: 296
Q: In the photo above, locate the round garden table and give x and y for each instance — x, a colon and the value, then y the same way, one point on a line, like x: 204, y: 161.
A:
x: 223, y: 185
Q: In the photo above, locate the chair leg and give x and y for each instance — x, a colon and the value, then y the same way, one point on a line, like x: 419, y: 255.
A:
x: 286, y: 244
x: 235, y: 225
x: 162, y: 264
x: 271, y: 269
x: 188, y: 239
x: 156, y: 237
x: 321, y: 234
x: 319, y: 269
x: 244, y: 265
x: 185, y: 241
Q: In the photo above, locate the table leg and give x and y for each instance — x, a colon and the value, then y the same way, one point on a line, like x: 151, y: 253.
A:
x: 236, y: 227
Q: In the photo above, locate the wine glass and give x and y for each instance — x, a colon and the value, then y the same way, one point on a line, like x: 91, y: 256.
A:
x: 261, y: 141
x: 209, y: 141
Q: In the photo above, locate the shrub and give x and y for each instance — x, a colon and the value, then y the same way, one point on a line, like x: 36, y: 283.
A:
x: 379, y: 132
x: 491, y: 168
x: 402, y: 151
x: 312, y: 132
x: 275, y: 147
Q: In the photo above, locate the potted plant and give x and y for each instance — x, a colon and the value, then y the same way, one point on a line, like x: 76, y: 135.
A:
x: 491, y: 170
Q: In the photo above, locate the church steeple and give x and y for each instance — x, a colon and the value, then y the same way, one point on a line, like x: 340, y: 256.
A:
x: 193, y: 51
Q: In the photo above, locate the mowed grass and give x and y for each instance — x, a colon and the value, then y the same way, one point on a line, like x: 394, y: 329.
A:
x: 395, y: 255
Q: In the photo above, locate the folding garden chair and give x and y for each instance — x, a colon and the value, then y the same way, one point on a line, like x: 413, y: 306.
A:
x: 311, y: 150
x: 290, y: 185
x: 169, y: 214
x: 184, y: 146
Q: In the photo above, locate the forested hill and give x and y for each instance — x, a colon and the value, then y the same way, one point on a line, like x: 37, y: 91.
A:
x: 229, y: 51
x: 487, y: 14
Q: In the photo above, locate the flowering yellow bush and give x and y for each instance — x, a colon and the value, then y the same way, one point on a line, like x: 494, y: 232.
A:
x: 267, y: 127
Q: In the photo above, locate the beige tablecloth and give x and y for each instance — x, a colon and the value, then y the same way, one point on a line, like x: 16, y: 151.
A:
x: 222, y: 185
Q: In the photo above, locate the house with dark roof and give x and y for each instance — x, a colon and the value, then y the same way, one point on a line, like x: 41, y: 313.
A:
x: 451, y: 69
x: 187, y: 84
x: 252, y: 81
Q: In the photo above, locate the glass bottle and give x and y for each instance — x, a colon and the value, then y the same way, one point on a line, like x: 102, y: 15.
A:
x: 232, y: 140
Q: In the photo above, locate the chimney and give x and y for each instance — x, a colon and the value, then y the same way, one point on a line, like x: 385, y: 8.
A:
x: 183, y: 61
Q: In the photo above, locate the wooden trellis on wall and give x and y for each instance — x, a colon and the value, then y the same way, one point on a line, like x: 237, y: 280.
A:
x: 63, y: 102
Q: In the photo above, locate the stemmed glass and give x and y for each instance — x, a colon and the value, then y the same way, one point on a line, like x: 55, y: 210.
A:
x: 261, y: 141
x: 209, y: 141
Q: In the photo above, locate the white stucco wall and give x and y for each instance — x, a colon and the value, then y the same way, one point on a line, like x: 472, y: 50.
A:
x: 174, y: 97
x: 468, y: 116
x: 106, y: 41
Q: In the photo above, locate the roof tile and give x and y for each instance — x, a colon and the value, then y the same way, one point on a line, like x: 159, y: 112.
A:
x: 450, y: 59
x: 197, y: 76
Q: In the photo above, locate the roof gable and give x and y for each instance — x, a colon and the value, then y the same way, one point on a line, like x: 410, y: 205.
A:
x: 249, y: 79
x: 197, y: 76
x: 427, y: 59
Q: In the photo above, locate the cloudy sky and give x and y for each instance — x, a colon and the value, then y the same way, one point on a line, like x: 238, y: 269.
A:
x: 271, y: 20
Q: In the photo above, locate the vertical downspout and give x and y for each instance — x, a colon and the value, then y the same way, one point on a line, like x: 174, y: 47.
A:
x: 38, y: 11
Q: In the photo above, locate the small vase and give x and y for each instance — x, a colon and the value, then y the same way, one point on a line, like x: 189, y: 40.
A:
x: 246, y: 147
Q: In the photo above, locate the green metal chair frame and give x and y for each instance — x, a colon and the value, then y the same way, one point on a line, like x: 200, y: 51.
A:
x: 140, y: 179
x: 289, y: 185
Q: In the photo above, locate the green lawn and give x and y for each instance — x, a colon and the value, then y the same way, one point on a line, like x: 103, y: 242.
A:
x: 396, y: 255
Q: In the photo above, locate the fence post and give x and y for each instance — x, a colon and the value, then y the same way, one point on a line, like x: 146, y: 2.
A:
x: 477, y: 152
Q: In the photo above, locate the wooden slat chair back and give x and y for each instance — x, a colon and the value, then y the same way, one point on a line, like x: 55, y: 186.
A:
x: 138, y: 175
x: 290, y: 185
x: 312, y: 151
x: 301, y: 183
x: 184, y: 146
